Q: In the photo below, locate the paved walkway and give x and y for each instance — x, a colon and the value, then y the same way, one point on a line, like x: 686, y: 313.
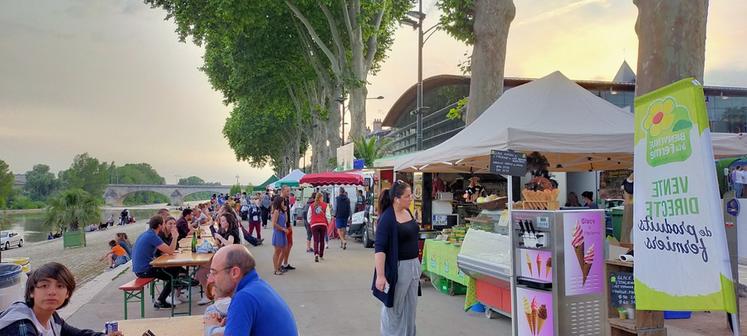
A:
x: 333, y: 298
x: 328, y: 298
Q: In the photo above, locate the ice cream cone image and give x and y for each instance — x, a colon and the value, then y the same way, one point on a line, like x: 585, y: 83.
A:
x: 528, y: 314
x: 578, y: 244
x: 588, y: 260
x: 535, y: 313
x: 548, y: 266
x: 539, y: 265
x: 529, y: 263
x: 541, y: 318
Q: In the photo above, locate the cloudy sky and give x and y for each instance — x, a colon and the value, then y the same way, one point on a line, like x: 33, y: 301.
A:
x: 110, y: 78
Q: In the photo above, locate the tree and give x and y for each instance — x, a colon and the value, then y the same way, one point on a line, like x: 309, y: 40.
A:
x: 138, y: 173
x: 87, y: 173
x: 290, y: 51
x: 484, y: 24
x: 192, y: 180
x: 40, y: 182
x: 6, y: 183
x: 371, y: 149
x: 367, y: 28
x: 235, y: 189
x: 73, y: 208
x: 671, y: 42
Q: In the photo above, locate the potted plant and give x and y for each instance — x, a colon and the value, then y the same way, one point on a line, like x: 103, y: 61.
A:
x: 71, y: 210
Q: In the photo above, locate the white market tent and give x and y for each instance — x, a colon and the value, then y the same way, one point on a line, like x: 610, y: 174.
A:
x: 290, y: 180
x: 573, y: 128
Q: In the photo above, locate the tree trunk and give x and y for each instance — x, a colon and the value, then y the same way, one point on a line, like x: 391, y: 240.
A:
x: 671, y: 42
x: 492, y: 21
x: 357, y: 109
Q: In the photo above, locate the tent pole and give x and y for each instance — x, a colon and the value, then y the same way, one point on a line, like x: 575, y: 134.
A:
x: 510, y: 206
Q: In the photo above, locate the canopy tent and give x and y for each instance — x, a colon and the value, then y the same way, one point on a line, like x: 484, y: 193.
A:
x: 263, y: 186
x: 290, y: 180
x: 574, y: 129
x: 332, y: 178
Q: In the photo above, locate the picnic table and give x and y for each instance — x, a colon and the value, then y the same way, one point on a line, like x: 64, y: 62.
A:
x: 183, y: 258
x: 164, y: 326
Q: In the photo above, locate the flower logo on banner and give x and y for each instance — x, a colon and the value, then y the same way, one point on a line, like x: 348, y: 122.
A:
x: 667, y: 125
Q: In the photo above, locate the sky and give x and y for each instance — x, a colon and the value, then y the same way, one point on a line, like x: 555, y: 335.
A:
x: 110, y: 77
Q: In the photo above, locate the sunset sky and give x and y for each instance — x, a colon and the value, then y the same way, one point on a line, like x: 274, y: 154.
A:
x: 111, y: 79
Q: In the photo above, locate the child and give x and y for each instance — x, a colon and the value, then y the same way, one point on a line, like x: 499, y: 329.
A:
x: 215, y: 314
x: 117, y: 256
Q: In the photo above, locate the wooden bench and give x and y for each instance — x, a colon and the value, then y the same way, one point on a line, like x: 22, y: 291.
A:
x: 133, y: 292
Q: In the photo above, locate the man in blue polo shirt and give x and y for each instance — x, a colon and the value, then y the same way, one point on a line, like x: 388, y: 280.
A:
x: 256, y: 309
x: 144, y: 252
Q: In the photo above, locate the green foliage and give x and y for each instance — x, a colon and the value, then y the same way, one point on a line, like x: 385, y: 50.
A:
x: 17, y: 201
x: 192, y: 180
x: 87, y: 173
x: 6, y: 183
x: 457, y: 111
x: 40, y: 183
x: 144, y: 197
x: 371, y: 149
x: 198, y: 196
x: 261, y: 57
x: 458, y: 19
x: 138, y: 173
x: 235, y: 189
x: 73, y: 208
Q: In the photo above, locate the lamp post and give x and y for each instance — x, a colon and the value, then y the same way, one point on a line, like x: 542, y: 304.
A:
x: 419, y: 16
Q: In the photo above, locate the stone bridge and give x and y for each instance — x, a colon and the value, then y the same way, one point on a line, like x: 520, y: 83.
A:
x: 115, y: 194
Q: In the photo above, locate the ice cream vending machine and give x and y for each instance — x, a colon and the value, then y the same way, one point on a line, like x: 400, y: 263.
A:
x: 558, y: 267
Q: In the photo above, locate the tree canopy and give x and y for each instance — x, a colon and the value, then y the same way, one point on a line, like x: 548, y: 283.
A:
x: 285, y: 67
x: 194, y: 180
x: 6, y: 183
x: 138, y: 173
x: 87, y: 173
x: 40, y: 182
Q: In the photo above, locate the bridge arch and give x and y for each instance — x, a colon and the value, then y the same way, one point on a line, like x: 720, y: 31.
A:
x: 115, y: 193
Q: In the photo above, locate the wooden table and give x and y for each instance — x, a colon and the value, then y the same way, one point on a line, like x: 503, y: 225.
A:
x: 165, y: 326
x: 185, y: 258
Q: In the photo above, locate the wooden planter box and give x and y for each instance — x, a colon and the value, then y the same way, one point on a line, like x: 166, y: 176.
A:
x: 74, y: 239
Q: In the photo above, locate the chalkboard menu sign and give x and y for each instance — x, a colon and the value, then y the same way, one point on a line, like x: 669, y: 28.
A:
x: 508, y: 163
x: 621, y: 289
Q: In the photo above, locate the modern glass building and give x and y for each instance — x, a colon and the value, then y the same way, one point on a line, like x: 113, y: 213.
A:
x: 727, y: 106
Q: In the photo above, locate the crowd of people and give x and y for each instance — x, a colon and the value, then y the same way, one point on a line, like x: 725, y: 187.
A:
x: 240, y: 301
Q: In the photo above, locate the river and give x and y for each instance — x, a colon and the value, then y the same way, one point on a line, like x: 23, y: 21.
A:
x: 33, y: 229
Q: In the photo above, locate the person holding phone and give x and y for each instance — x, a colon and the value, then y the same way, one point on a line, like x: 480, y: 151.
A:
x: 397, y: 268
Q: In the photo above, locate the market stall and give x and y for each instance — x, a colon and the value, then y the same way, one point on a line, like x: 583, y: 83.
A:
x: 573, y: 130
x: 291, y: 180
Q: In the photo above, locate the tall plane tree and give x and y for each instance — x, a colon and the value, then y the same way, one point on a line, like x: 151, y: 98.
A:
x: 484, y: 24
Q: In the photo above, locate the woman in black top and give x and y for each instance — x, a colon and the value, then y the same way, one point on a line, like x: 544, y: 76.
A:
x: 397, y: 274
x: 228, y: 233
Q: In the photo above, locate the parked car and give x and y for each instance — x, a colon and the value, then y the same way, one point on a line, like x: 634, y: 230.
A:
x: 10, y: 238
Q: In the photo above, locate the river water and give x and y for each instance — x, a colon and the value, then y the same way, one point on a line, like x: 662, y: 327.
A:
x: 33, y: 228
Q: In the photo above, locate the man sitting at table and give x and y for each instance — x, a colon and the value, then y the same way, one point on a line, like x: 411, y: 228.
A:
x: 256, y: 309
x: 183, y: 224
x: 144, y: 252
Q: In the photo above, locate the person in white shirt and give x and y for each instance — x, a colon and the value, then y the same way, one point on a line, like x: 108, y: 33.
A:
x: 740, y: 178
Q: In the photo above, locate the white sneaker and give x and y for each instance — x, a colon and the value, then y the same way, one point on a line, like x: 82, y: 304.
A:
x: 175, y: 302
x: 183, y: 298
x: 204, y: 301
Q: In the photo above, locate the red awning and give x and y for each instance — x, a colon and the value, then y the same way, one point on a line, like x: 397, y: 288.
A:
x: 331, y: 178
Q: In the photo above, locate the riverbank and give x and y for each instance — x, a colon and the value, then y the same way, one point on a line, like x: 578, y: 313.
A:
x: 21, y: 211
x: 83, y: 261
